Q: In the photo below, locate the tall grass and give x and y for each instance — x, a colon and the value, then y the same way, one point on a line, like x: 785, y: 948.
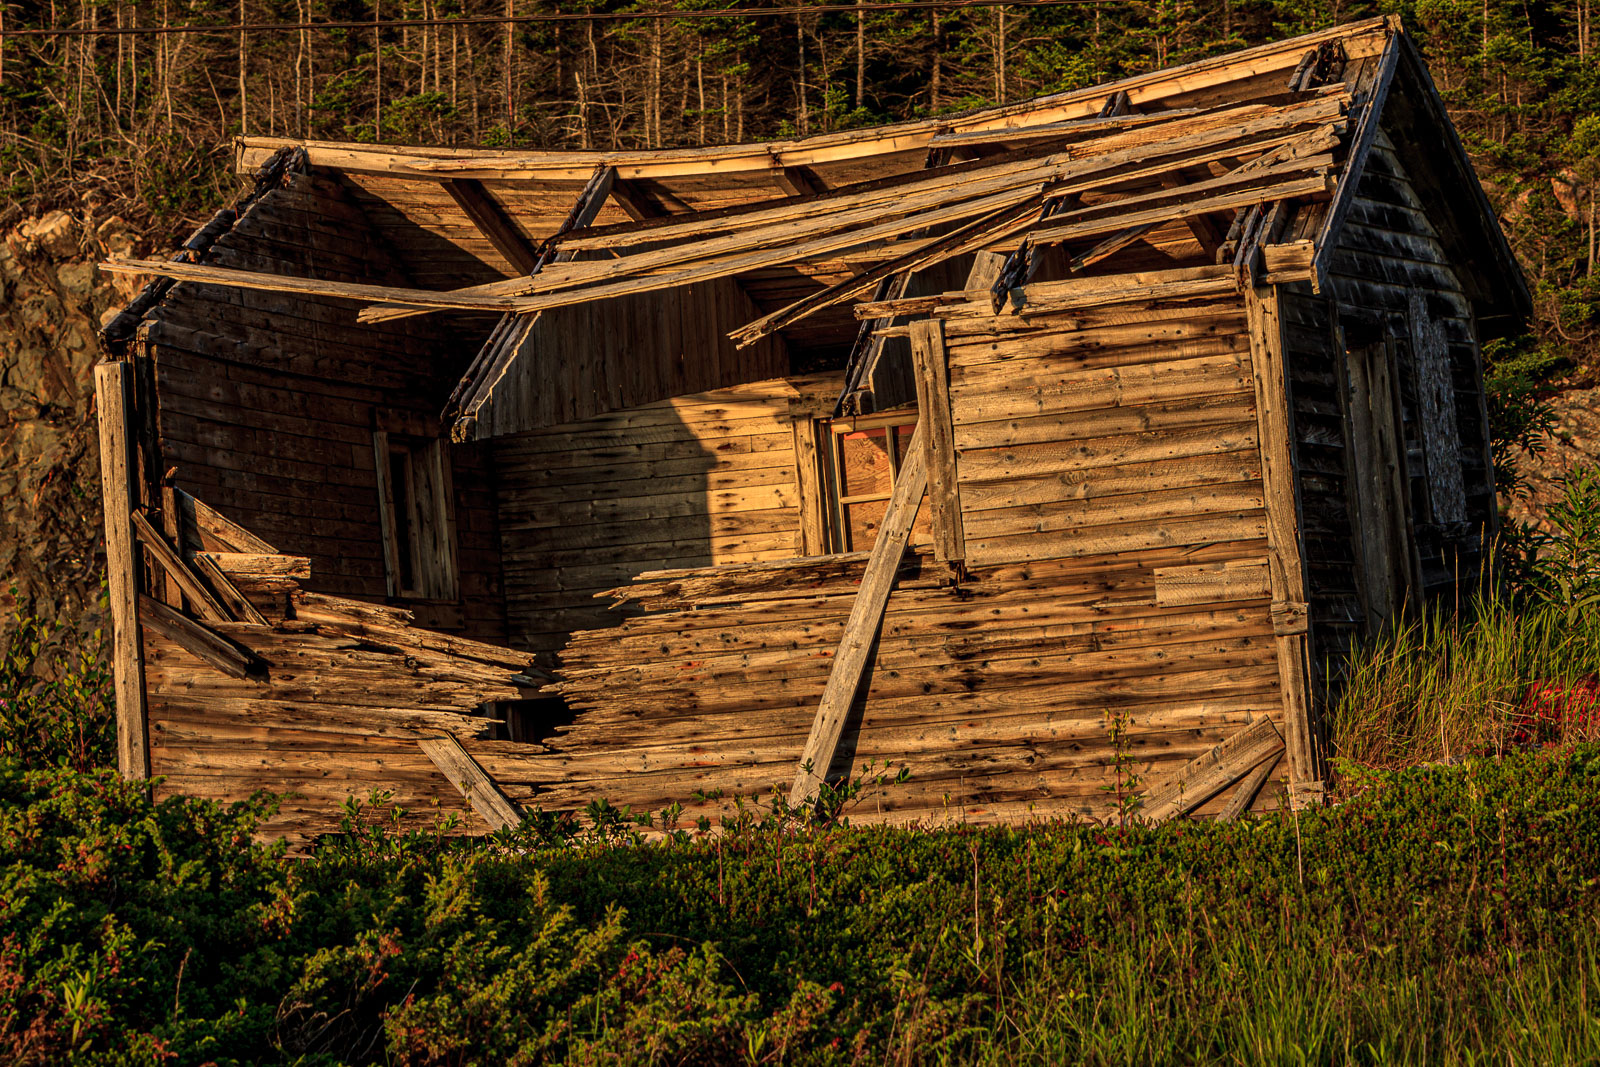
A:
x: 1520, y: 665
x: 1275, y: 996
x: 1500, y: 676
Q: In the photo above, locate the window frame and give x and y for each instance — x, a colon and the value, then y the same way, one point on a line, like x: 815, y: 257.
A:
x: 834, y: 504
x: 429, y: 541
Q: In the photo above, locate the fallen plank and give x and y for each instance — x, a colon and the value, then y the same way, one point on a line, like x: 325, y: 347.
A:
x: 200, y: 640
x: 1206, y: 776
x: 1245, y: 795
x: 481, y: 791
x: 866, y: 616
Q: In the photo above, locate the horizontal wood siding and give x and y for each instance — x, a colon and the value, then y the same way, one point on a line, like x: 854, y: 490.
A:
x: 1390, y: 259
x: 1111, y: 494
x: 267, y: 402
x: 622, y: 353
x: 344, y: 694
x: 696, y: 481
x: 1094, y: 434
x: 996, y: 691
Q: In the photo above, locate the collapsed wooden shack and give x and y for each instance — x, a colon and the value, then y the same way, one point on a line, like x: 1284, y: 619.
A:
x: 1024, y: 447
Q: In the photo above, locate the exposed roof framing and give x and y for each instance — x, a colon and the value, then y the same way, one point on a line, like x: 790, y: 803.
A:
x: 1144, y: 171
x: 493, y: 222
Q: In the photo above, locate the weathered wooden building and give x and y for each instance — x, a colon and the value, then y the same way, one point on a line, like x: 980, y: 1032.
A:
x: 1022, y: 447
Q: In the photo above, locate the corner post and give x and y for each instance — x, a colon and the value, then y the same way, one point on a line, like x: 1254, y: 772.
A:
x: 113, y: 386
x: 1285, y: 541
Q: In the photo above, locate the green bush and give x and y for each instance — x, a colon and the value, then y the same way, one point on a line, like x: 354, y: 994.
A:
x: 1440, y: 915
x: 57, y: 705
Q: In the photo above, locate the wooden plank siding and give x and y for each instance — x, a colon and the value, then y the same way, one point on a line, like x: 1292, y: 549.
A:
x: 699, y: 480
x: 267, y: 403
x: 1110, y: 488
x: 618, y: 354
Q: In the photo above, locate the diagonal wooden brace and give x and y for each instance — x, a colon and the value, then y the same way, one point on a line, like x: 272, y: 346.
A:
x: 851, y: 661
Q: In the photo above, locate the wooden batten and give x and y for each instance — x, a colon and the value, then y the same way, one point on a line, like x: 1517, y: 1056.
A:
x: 1286, y: 547
x: 938, y: 436
x: 114, y: 403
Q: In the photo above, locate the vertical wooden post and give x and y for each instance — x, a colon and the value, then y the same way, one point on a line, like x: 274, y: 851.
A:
x: 808, y: 479
x: 1285, y: 543
x: 928, y: 358
x: 113, y: 384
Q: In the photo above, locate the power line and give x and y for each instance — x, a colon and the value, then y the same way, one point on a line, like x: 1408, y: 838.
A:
x: 502, y: 20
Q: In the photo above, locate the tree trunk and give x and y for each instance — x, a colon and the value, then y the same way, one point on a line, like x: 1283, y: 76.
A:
x: 377, y: 72
x: 244, y: 50
x: 800, y: 74
x: 861, y: 56
x: 511, y: 107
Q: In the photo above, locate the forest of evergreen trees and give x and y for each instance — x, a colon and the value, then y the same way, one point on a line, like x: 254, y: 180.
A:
x: 143, y: 120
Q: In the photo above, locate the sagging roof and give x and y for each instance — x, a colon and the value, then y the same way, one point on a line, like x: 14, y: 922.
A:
x: 1249, y: 158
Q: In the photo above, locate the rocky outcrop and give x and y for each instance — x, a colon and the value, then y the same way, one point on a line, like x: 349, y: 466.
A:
x: 1573, y: 442
x: 52, y: 302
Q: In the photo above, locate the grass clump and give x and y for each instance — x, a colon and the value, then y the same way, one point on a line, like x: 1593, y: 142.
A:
x: 1518, y: 666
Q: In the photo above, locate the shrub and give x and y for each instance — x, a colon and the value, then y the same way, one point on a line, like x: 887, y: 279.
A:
x: 1439, y: 915
x: 57, y: 707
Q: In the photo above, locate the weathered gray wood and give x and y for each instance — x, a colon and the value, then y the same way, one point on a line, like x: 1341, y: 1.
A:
x: 1441, y: 437
x: 262, y: 564
x: 937, y: 432
x: 850, y: 662
x: 1206, y: 776
x: 200, y: 598
x: 1378, y: 500
x: 1285, y: 542
x: 201, y: 641
x: 113, y: 384
x: 481, y: 791
x: 808, y: 479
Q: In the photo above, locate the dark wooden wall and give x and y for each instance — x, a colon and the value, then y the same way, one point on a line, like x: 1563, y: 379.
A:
x: 1391, y: 277
x: 622, y: 353
x: 267, y: 402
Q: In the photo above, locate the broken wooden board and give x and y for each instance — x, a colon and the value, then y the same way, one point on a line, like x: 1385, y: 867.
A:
x: 481, y: 791
x: 1207, y: 775
x: 866, y: 616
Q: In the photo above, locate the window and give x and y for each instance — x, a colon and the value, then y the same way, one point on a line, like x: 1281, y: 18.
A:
x: 414, y: 506
x: 862, y: 459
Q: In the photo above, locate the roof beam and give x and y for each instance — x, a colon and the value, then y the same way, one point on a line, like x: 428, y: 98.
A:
x: 635, y: 201
x: 493, y: 222
x: 798, y: 181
